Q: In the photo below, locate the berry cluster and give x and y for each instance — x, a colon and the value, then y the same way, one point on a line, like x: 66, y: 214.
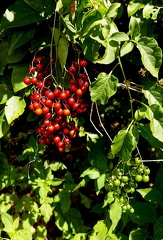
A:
x: 57, y: 105
x: 124, y: 180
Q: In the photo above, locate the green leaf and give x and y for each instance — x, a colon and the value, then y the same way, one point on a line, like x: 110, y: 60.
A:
x: 23, y: 234
x: 113, y: 10
x: 150, y: 11
x: 62, y: 51
x: 99, y: 183
x: 5, y: 94
x: 13, y: 17
x: 8, y: 222
x: 90, y: 49
x: 19, y: 72
x: 119, y: 37
x: 99, y: 231
x: 65, y: 201
x: 156, y: 121
x: 92, y: 173
x: 126, y: 48
x: 144, y: 213
x: 151, y: 195
x: 115, y: 213
x: 138, y: 234
x: 109, y: 198
x: 18, y: 37
x: 82, y: 183
x: 124, y: 143
x: 57, y: 166
x: 111, y: 52
x: 146, y: 133
x: 14, y: 108
x: 5, y: 198
x: 42, y: 6
x: 158, y: 228
x: 153, y: 92
x: 133, y: 7
x: 85, y: 201
x: 103, y: 88
x: 46, y: 211
x: 134, y: 27
x: 151, y: 54
x: 4, y: 126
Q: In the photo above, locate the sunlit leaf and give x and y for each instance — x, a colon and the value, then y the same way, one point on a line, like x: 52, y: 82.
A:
x: 153, y: 92
x: 46, y: 211
x: 115, y: 213
x: 14, y: 108
x: 62, y: 51
x: 151, y: 54
x: 103, y: 88
x: 126, y: 48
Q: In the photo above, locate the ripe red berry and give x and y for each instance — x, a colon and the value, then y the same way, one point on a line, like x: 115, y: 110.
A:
x: 56, y: 126
x: 34, y: 80
x: 42, y: 141
x: 31, y: 69
x: 71, y: 100
x: 27, y: 80
x: 47, y: 122
x: 50, y: 128
x: 38, y: 111
x: 73, y: 87
x: 57, y: 139
x: 63, y: 95
x: 48, y: 103
x: 38, y: 59
x: 60, y: 112
x: 40, y: 75
x: 66, y: 112
x: 83, y: 63
x: 56, y: 106
x: 72, y: 69
x: 40, y: 66
x: 45, y: 110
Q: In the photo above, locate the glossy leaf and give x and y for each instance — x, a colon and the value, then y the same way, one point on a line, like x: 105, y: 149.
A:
x: 42, y: 5
x: 139, y: 233
x: 23, y: 234
x: 110, y: 54
x: 5, y: 94
x: 109, y: 198
x: 13, y: 17
x: 153, y: 92
x: 19, y: 37
x: 134, y: 27
x: 103, y: 88
x: 18, y: 74
x: 126, y: 48
x: 91, y: 173
x: 133, y: 7
x: 115, y: 213
x: 151, y: 195
x: 14, y: 108
x: 99, y: 183
x: 151, y: 54
x: 158, y: 228
x: 112, y: 11
x: 119, y: 37
x: 124, y: 143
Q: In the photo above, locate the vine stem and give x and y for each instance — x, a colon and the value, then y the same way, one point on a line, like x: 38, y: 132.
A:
x: 127, y: 86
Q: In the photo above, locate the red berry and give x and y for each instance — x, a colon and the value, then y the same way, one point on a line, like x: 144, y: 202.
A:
x: 38, y: 59
x: 45, y: 110
x: 73, y: 87
x: 49, y: 103
x: 47, y: 122
x: 50, y: 128
x: 40, y: 75
x: 60, y: 112
x: 57, y: 92
x: 83, y: 63
x: 42, y: 141
x: 66, y: 112
x: 63, y: 95
x: 72, y: 69
x: 71, y: 101
x: 57, y: 139
x: 56, y: 106
x: 40, y: 66
x: 79, y: 92
x: 75, y: 64
x: 48, y: 115
x: 56, y: 126
x: 31, y: 69
x: 31, y: 107
x: 34, y: 80
x: 27, y: 80
x: 38, y: 111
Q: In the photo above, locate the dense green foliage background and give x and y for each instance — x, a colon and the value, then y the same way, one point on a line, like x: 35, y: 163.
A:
x: 99, y: 189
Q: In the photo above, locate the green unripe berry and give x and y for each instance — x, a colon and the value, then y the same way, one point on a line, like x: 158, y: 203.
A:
x: 116, y: 182
x: 134, y: 171
x: 131, y: 210
x: 124, y: 179
x: 138, y: 178
x: 145, y: 178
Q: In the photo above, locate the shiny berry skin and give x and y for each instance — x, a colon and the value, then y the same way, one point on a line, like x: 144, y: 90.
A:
x: 56, y: 106
x: 27, y: 80
x: 40, y: 75
x: 45, y: 110
x: 42, y: 141
x: 57, y: 139
x: 72, y: 69
x: 60, y: 112
x: 83, y: 63
x: 56, y: 126
x: 34, y: 80
x: 49, y: 103
x: 63, y: 95
x: 71, y: 100
x: 38, y: 59
x: 79, y: 92
x: 57, y: 92
x: 38, y: 111
x: 66, y: 112
x: 40, y: 66
x: 31, y: 69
